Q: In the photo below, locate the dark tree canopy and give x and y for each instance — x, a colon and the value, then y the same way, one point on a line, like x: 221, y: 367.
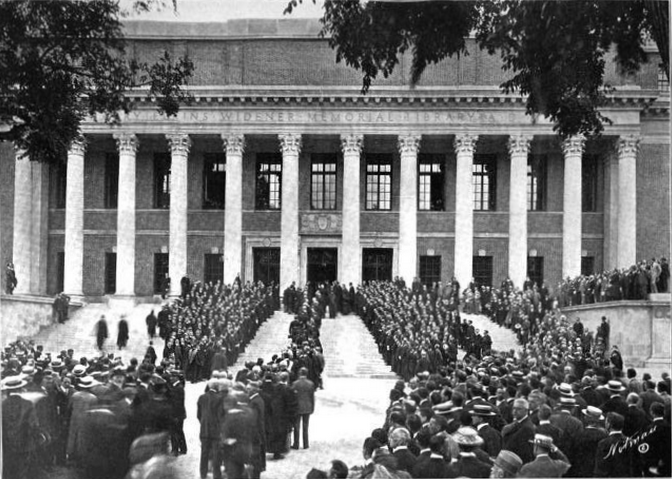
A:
x: 62, y: 61
x: 554, y: 51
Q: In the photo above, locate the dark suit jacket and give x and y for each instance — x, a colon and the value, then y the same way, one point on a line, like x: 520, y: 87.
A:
x: 405, y: 459
x: 516, y: 437
x: 586, y: 447
x: 610, y: 461
x: 635, y: 420
x: 492, y: 438
x: 210, y: 412
x: 658, y: 452
x: 615, y: 404
x: 305, y: 395
x: 544, y: 466
x: 551, y: 431
x: 468, y: 466
x: 430, y: 467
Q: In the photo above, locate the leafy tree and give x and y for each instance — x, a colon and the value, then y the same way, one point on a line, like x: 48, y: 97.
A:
x: 554, y: 51
x: 62, y: 61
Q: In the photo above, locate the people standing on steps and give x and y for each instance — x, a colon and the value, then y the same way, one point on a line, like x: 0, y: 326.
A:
x: 101, y: 332
x: 10, y: 279
x: 151, y: 321
x: 122, y: 333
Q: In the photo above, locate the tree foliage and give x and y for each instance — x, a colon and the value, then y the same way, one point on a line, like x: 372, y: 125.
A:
x: 62, y: 61
x: 554, y: 51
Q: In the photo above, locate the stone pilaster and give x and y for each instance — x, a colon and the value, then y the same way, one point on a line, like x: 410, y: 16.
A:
x: 128, y: 146
x: 22, y: 230
x: 572, y: 149
x: 351, y: 266
x: 177, y: 262
x: 234, y: 146
x: 627, y: 201
x: 611, y: 212
x: 464, y: 145
x: 519, y: 147
x: 74, y: 219
x: 290, y: 145
x: 39, y: 220
x: 409, y: 145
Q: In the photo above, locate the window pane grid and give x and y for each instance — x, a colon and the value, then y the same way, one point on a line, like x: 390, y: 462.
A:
x: 483, y: 180
x: 269, y: 182
x: 323, y: 183
x: 378, y: 183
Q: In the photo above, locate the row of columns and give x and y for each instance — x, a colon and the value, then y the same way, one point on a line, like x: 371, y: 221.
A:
x: 290, y: 145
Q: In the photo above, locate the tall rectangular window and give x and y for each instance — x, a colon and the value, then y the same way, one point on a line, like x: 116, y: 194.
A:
x: 536, y: 183
x: 269, y: 181
x: 214, y: 181
x: 535, y: 270
x: 59, y: 180
x: 110, y: 273
x: 663, y: 82
x: 323, y: 182
x: 484, y: 181
x: 430, y: 269
x: 430, y: 183
x: 111, y: 180
x: 161, y: 264
x: 60, y: 271
x: 162, y: 180
x: 482, y: 270
x: 587, y: 265
x: 589, y: 183
x: 378, y: 182
x: 213, y: 270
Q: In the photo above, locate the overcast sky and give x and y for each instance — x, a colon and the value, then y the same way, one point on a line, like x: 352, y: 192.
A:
x: 222, y: 10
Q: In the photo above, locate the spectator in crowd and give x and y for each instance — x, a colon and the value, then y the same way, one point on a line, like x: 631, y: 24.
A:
x: 304, y: 389
x: 10, y: 279
x: 544, y: 465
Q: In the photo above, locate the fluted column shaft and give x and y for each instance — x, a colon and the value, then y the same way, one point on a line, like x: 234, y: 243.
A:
x: 22, y: 211
x: 233, y: 213
x: 125, y: 280
x: 518, y: 149
x: 74, y: 219
x: 351, y: 265
x: 409, y: 145
x: 627, y: 201
x: 177, y: 261
x: 290, y: 145
x: 571, y: 207
x: 465, y: 145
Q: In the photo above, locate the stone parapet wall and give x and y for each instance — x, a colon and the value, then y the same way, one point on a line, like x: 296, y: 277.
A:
x: 641, y: 329
x: 25, y: 316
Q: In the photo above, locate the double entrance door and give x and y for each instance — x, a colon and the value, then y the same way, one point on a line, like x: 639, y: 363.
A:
x: 322, y: 265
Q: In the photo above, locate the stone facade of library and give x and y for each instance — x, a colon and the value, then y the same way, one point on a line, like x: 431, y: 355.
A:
x: 280, y: 170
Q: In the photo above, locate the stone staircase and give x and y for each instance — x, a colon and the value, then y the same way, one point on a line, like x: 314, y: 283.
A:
x: 271, y: 338
x: 503, y: 339
x: 79, y: 333
x: 350, y: 351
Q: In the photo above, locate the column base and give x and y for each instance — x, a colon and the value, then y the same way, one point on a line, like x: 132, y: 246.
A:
x: 122, y: 300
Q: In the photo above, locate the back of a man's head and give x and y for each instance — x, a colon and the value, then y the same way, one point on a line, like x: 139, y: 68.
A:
x: 339, y: 470
x: 615, y: 421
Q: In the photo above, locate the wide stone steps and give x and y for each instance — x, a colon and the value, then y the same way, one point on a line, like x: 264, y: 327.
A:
x: 503, y: 339
x: 271, y: 338
x: 79, y: 332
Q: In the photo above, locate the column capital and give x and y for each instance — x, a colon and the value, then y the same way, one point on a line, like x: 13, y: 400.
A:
x: 573, y: 145
x: 290, y: 143
x: 126, y: 142
x: 180, y: 143
x: 465, y: 143
x: 628, y: 146
x: 409, y: 143
x: 519, y: 144
x: 233, y: 144
x: 77, y: 146
x: 352, y: 143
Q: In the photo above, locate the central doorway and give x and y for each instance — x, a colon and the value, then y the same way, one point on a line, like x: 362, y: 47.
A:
x: 322, y: 265
x: 377, y: 264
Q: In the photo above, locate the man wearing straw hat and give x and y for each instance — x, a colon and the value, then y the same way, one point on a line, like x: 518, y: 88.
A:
x: 507, y: 464
x: 492, y: 439
x: 544, y: 465
x: 615, y: 403
x: 19, y: 426
x: 467, y: 463
x: 516, y: 436
x: 586, y: 442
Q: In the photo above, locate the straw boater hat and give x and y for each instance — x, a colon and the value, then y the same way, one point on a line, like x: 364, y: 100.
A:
x: 593, y: 413
x: 542, y: 440
x: 467, y: 436
x: 87, y: 382
x: 13, y: 382
x: 509, y: 462
x: 567, y: 402
x: 482, y: 410
x: 565, y: 389
x: 615, y: 386
x: 79, y: 370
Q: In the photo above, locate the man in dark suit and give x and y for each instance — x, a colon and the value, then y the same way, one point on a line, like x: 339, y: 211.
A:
x: 586, y: 443
x: 653, y: 454
x: 305, y: 396
x: 613, y: 458
x: 398, y: 442
x: 516, y: 436
x: 480, y: 414
x: 544, y: 465
x: 546, y: 428
x: 210, y: 413
x: 615, y: 403
x: 259, y: 450
x: 237, y: 434
x: 19, y: 428
x: 468, y: 465
x: 571, y: 427
x: 432, y: 465
x: 635, y: 417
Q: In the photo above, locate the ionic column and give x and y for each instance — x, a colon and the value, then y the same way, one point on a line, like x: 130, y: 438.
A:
x: 519, y: 147
x: 627, y: 200
x: 177, y: 261
x: 22, y: 210
x: 409, y: 145
x: 74, y: 219
x: 572, y: 149
x: 465, y: 145
x: 128, y: 146
x: 290, y: 144
x: 351, y: 268
x: 233, y: 212
x: 39, y: 224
